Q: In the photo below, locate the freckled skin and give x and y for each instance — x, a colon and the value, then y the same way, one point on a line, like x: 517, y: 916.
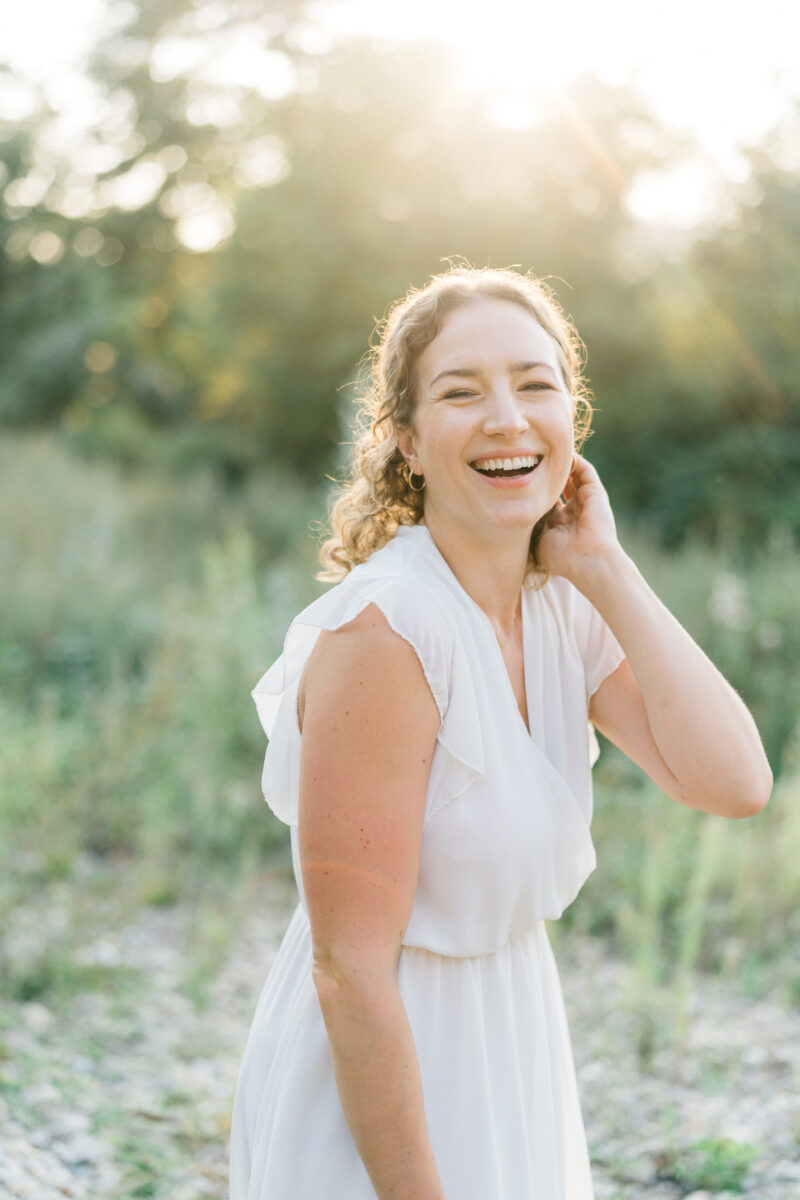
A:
x: 351, y: 873
x: 369, y: 724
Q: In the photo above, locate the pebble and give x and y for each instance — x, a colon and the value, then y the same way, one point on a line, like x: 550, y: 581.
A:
x: 41, y: 1137
x: 79, y: 1150
x: 41, y: 1094
x: 67, y: 1123
x: 37, y: 1017
x: 27, y: 1173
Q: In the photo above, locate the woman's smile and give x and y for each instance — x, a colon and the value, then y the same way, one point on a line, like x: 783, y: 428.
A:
x: 507, y: 470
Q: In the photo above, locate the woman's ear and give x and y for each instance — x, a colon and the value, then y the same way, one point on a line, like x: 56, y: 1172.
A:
x: 406, y: 446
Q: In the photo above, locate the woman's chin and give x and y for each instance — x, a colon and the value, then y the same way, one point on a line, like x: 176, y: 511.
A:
x: 527, y: 517
x: 499, y: 525
x: 496, y: 520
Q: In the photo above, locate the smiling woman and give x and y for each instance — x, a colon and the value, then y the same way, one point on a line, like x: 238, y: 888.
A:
x: 428, y: 748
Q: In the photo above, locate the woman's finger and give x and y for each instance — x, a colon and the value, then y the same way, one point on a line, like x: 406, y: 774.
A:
x: 584, y: 471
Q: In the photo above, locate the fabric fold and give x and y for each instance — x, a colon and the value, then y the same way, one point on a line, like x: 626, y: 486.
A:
x: 418, y: 617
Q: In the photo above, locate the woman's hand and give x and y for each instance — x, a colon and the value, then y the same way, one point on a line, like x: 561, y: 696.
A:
x: 580, y: 529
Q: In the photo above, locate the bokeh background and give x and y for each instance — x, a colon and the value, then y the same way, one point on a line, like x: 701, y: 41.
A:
x: 205, y: 208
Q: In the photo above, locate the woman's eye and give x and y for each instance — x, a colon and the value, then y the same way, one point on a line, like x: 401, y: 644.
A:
x: 464, y: 394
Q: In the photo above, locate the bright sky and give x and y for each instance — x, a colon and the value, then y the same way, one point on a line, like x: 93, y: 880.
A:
x: 720, y: 69
x: 717, y: 68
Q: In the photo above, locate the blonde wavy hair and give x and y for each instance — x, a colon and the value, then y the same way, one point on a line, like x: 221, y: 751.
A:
x: 377, y: 497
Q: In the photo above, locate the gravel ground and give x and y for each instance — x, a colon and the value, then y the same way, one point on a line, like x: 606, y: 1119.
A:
x: 126, y: 1092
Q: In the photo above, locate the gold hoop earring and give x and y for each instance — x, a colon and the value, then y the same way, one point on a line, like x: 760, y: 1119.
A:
x: 410, y: 480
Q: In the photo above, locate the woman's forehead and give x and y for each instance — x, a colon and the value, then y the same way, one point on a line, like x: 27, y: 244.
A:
x: 487, y: 334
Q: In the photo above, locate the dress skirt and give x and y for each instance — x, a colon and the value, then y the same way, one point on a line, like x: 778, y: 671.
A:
x: 498, y: 1078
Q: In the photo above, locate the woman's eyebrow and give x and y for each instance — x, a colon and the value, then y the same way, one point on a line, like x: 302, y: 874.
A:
x: 473, y: 372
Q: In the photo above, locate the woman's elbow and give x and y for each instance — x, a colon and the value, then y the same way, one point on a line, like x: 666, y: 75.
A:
x: 347, y: 981
x: 754, y: 798
x: 746, y: 796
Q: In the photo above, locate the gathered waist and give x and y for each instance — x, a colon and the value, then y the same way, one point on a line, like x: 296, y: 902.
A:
x: 535, y: 934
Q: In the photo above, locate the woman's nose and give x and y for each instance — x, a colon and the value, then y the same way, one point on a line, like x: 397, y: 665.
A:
x: 504, y: 413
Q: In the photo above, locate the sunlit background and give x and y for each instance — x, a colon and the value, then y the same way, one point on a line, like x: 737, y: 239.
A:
x: 204, y: 209
x: 722, y: 73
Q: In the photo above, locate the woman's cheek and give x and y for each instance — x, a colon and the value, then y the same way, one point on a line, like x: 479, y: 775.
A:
x: 563, y: 435
x: 565, y: 440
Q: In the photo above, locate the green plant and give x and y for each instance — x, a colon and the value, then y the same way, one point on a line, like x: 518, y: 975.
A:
x: 716, y: 1164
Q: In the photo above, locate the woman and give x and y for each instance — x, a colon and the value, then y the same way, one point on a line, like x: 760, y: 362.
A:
x: 428, y: 747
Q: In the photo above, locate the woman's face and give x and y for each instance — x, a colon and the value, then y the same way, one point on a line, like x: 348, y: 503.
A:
x: 489, y: 390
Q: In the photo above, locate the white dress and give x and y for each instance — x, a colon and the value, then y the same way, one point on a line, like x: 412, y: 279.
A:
x: 506, y: 845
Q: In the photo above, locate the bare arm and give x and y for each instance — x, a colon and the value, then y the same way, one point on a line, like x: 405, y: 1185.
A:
x: 369, y: 729
x: 667, y: 707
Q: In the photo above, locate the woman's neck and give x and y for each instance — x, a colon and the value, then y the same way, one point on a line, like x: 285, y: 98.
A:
x: 491, y: 573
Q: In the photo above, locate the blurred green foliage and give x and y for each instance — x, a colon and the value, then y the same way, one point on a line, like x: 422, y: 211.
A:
x: 126, y: 646
x: 228, y: 253
x: 143, y: 610
x: 713, y: 1164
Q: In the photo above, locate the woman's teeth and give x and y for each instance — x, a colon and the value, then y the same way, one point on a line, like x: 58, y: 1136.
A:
x: 501, y: 466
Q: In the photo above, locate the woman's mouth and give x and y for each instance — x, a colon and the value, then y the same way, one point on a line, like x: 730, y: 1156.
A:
x: 507, y: 468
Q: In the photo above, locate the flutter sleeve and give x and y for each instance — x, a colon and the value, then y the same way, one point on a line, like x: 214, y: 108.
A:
x: 418, y: 616
x: 600, y: 653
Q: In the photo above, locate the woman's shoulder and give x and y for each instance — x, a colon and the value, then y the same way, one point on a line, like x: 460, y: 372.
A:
x: 394, y: 581
x: 397, y: 572
x: 406, y: 555
x: 400, y: 580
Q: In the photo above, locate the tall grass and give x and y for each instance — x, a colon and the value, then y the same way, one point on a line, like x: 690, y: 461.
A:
x: 135, y: 616
x: 137, y: 612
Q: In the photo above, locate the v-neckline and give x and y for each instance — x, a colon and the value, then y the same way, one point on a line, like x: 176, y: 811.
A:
x: 498, y: 649
x: 524, y: 639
